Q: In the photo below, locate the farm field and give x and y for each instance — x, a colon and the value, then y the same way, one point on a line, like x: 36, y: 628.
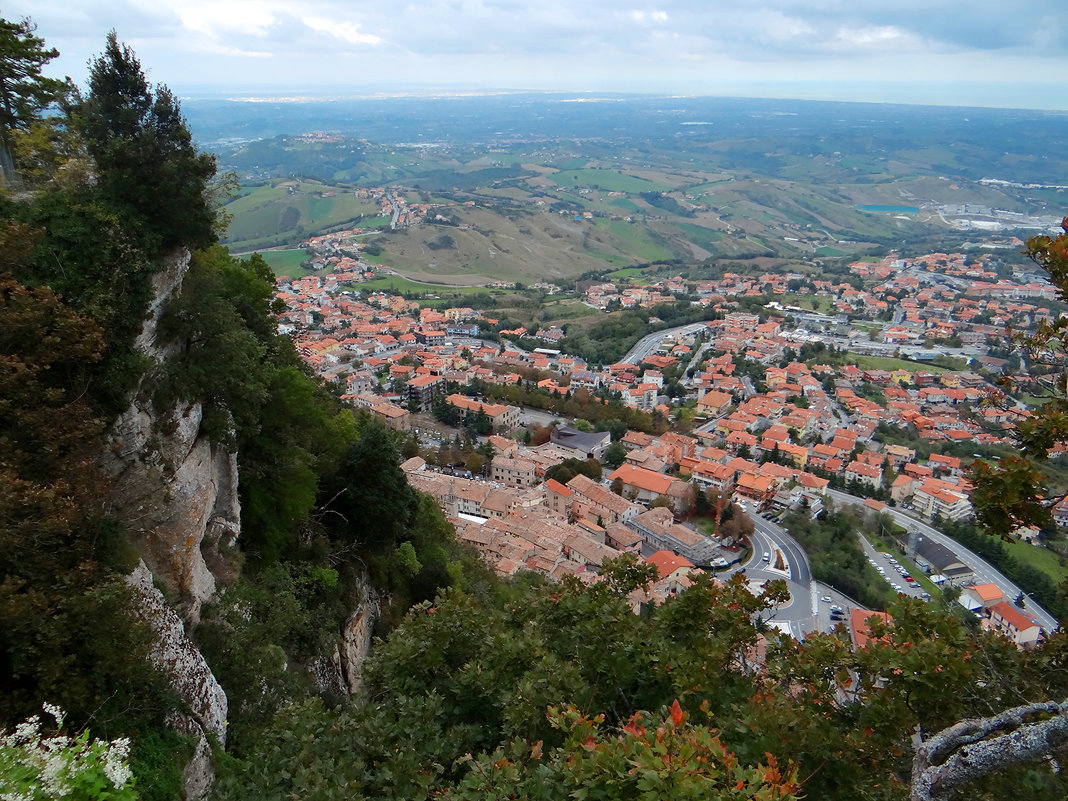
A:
x: 285, y: 211
x: 608, y: 180
x: 286, y: 262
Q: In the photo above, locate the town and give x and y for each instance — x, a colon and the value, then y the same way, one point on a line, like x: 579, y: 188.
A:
x: 879, y: 388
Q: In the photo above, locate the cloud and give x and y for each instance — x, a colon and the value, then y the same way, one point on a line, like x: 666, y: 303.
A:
x: 345, y: 31
x: 587, y: 44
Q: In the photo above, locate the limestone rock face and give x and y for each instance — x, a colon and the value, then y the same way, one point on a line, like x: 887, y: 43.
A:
x: 175, y: 491
x: 178, y: 659
x: 356, y: 637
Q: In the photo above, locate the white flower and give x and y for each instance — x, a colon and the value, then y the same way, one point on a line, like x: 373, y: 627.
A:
x: 56, y: 712
x: 114, y: 762
x: 28, y: 730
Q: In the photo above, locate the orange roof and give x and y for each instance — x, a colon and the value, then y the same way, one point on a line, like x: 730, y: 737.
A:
x: 859, y: 618
x: 987, y: 592
x: 642, y: 479
x: 667, y: 562
x: 555, y: 486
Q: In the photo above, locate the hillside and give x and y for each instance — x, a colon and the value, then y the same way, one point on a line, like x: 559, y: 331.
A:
x: 740, y: 193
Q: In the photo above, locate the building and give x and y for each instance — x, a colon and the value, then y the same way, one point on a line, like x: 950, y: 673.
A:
x: 601, y: 502
x: 1015, y: 624
x: 502, y: 417
x: 937, y: 560
x: 514, y: 472
x: 581, y: 444
x: 935, y: 498
x: 646, y: 486
x: 422, y: 389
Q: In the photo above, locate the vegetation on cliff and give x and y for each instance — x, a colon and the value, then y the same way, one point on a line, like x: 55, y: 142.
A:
x: 110, y: 190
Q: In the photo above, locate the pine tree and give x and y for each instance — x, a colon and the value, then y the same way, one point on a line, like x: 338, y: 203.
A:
x: 143, y: 151
x: 23, y: 90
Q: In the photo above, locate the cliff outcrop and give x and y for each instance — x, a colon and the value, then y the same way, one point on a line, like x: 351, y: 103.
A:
x: 177, y: 658
x: 175, y: 491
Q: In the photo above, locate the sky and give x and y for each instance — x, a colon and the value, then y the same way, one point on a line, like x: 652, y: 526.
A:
x: 996, y: 53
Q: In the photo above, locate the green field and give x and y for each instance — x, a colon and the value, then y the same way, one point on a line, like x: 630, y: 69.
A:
x: 398, y: 283
x: 286, y: 262
x: 829, y: 251
x: 627, y: 272
x: 890, y: 363
x: 290, y: 210
x: 699, y: 235
x: 1039, y: 558
x: 638, y: 242
x: 608, y: 180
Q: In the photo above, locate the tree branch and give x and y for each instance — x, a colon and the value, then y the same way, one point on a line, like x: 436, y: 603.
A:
x: 963, y: 753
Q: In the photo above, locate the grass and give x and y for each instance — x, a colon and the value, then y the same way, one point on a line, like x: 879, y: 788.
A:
x: 608, y: 180
x: 627, y: 272
x: 398, y: 283
x: 286, y: 262
x: 824, y: 250
x: 699, y: 235
x: 1039, y: 558
x: 638, y: 242
x: 269, y: 212
x: 890, y: 363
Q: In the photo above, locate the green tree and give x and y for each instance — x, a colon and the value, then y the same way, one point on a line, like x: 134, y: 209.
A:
x: 375, y: 501
x: 615, y: 454
x: 1014, y: 492
x: 146, y: 162
x: 24, y: 92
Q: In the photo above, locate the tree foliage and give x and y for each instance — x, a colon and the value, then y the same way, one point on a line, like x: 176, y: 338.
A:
x: 24, y: 92
x: 146, y: 162
x: 1014, y: 492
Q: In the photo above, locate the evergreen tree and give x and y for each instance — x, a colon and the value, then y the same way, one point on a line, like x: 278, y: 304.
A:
x: 24, y: 92
x: 144, y: 154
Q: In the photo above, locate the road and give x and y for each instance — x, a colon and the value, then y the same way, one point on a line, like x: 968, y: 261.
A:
x: 799, y: 615
x: 985, y: 573
x: 650, y: 342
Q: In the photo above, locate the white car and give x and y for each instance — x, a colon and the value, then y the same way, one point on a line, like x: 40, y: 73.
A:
x: 826, y: 599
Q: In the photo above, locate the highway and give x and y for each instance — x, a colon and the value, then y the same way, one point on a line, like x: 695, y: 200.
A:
x: 985, y: 573
x: 650, y: 342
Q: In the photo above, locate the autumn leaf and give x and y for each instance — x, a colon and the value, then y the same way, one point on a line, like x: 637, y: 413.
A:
x: 676, y: 712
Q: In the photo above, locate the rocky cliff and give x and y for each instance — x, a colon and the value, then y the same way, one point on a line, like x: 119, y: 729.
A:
x: 177, y: 658
x: 174, y: 489
x: 176, y: 493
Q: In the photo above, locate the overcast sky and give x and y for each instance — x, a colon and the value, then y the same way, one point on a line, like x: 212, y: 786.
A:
x: 959, y: 52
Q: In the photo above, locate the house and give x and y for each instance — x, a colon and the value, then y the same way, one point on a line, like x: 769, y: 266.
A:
x: 714, y: 403
x: 602, y: 502
x: 669, y: 565
x: 936, y: 498
x: 980, y: 596
x: 501, y: 416
x: 422, y: 389
x: 392, y: 416
x: 1015, y: 624
x: 646, y: 486
x: 513, y: 472
x: 860, y: 628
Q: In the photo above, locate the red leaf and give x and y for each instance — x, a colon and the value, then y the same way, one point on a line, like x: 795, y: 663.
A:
x: 676, y: 712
